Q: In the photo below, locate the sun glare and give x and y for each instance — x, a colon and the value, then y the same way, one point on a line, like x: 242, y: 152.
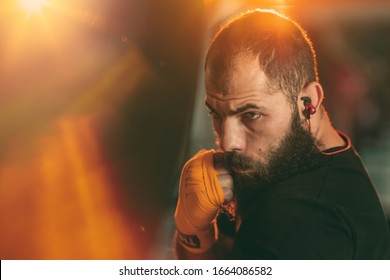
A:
x: 33, y: 6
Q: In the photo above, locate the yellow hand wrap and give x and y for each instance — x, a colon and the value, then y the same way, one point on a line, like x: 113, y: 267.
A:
x: 200, y: 195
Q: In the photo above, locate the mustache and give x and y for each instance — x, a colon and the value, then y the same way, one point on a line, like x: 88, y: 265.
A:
x: 234, y: 160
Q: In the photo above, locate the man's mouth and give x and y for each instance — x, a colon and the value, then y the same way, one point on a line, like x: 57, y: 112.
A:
x: 238, y: 170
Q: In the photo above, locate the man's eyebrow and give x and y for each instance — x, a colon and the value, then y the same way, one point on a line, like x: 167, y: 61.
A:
x: 246, y: 107
x: 239, y: 110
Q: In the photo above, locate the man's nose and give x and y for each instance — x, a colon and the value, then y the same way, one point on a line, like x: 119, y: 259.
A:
x: 231, y: 137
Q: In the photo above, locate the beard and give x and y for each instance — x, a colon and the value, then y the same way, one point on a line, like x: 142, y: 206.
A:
x: 297, y: 152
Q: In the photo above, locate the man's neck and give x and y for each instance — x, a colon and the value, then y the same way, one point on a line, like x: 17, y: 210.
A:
x: 326, y: 134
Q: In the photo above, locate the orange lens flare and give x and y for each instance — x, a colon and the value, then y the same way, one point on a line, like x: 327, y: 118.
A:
x: 33, y: 6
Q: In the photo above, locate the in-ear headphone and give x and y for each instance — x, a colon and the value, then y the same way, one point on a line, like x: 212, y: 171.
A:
x: 309, y: 108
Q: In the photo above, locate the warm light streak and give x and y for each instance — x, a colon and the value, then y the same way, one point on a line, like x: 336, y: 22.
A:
x: 57, y: 200
x: 57, y: 196
x: 33, y: 6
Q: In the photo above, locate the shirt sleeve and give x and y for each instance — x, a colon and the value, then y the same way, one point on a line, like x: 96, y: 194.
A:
x: 294, y: 228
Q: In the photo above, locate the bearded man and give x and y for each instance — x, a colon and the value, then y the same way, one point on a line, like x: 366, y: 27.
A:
x: 294, y: 186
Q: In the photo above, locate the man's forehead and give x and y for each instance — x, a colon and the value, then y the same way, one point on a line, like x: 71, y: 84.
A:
x: 220, y: 72
x: 237, y: 87
x: 242, y: 75
x: 235, y: 104
x: 225, y: 96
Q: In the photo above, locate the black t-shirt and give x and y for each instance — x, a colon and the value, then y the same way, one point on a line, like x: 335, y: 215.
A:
x: 330, y: 212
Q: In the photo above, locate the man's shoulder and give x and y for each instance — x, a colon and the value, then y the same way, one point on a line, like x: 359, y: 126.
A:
x: 293, y: 227
x: 323, y: 206
x: 339, y: 175
x: 293, y: 207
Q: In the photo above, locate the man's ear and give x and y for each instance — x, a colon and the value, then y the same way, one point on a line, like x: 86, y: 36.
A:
x: 311, y: 93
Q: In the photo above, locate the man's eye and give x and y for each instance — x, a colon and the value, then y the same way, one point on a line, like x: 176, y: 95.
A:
x: 251, y: 115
